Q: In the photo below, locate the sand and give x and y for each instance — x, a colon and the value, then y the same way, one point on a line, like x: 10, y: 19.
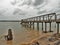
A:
x: 43, y: 39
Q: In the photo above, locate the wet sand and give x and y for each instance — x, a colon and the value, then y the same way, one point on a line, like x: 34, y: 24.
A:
x: 43, y: 39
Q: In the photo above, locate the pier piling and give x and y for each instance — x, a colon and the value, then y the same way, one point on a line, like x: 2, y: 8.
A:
x: 33, y: 25
x: 57, y: 28
x: 30, y: 24
x: 37, y: 25
x: 42, y: 26
x: 50, y: 27
x: 45, y: 27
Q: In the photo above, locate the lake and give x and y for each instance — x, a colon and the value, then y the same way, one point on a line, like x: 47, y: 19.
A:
x: 20, y: 33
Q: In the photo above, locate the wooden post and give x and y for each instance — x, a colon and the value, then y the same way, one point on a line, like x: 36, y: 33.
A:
x: 42, y: 26
x: 55, y: 17
x: 30, y: 24
x: 9, y: 36
x: 33, y: 25
x: 57, y: 28
x: 50, y: 28
x: 39, y: 18
x: 48, y: 17
x: 43, y: 18
x: 37, y: 25
x: 45, y: 27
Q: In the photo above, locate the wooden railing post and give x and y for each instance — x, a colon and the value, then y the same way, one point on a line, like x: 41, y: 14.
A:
x: 55, y: 17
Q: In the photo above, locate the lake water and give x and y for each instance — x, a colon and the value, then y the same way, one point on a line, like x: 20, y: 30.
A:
x: 20, y: 33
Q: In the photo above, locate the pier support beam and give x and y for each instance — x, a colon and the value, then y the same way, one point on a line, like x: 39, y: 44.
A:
x: 57, y: 28
x: 37, y: 25
x: 33, y: 25
x: 45, y: 28
x: 42, y: 26
x: 50, y: 27
x: 30, y: 24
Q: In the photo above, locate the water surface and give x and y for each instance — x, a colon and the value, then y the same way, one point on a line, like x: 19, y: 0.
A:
x: 20, y: 33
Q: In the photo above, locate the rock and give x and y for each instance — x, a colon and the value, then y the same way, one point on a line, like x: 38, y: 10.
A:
x: 34, y: 42
x: 56, y: 35
x: 52, y: 39
x: 57, y: 43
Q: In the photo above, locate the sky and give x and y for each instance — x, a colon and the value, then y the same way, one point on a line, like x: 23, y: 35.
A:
x: 21, y: 9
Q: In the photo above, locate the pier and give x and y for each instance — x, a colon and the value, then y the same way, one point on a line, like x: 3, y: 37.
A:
x: 46, y: 19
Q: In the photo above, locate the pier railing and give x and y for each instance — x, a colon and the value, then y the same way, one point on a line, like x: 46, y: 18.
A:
x: 52, y: 17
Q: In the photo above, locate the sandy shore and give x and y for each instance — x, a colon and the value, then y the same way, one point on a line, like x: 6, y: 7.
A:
x: 44, y: 39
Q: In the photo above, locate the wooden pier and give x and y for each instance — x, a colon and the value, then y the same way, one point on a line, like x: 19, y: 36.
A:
x: 47, y: 18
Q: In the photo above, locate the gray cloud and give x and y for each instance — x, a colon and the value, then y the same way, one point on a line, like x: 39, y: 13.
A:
x: 38, y: 2
x: 26, y: 3
x: 41, y: 12
x: 3, y: 11
x: 19, y: 12
x: 29, y: 2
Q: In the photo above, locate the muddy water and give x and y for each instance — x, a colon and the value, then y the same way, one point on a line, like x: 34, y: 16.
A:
x: 20, y: 33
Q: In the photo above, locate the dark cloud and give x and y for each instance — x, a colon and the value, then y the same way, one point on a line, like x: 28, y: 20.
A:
x: 29, y: 2
x: 38, y: 2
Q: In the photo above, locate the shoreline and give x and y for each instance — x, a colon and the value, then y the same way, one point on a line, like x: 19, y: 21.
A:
x: 43, y: 39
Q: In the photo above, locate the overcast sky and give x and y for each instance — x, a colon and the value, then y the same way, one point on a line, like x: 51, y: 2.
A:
x: 18, y: 9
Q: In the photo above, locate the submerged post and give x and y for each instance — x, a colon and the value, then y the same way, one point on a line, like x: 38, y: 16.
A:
x: 9, y: 36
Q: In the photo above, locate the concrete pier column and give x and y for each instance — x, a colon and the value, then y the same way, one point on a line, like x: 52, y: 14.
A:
x: 37, y: 25
x: 57, y: 28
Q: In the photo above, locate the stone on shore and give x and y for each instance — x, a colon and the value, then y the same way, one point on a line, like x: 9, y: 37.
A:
x: 57, y: 43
